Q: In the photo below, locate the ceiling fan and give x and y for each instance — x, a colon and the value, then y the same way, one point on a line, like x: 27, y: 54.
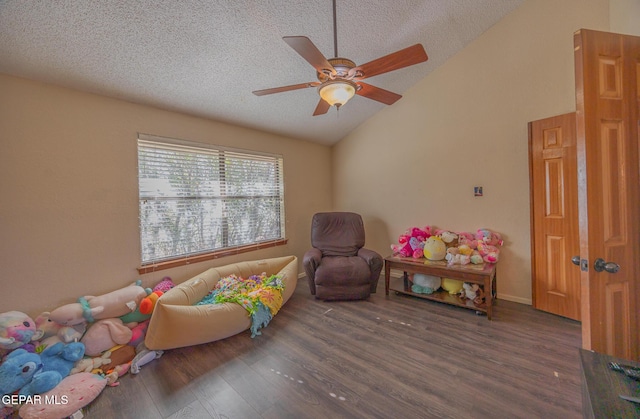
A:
x: 339, y: 78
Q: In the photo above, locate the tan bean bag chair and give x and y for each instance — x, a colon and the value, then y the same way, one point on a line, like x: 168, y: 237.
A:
x: 176, y: 322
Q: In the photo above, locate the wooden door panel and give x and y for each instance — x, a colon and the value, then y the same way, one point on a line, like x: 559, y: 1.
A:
x: 618, y: 336
x: 556, y: 262
x: 607, y: 84
x: 554, y: 209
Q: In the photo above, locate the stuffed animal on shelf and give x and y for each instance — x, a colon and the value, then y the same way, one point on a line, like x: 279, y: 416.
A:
x: 411, y: 243
x: 452, y: 286
x: 489, y: 237
x: 17, y: 330
x: 449, y: 238
x: 434, y: 248
x: 473, y: 292
x: 457, y: 259
x: 476, y: 259
x: 425, y: 284
x: 467, y: 239
x: 22, y: 370
x: 489, y: 253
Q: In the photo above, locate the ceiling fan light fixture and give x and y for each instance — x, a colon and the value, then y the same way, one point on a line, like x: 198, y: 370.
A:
x: 337, y: 92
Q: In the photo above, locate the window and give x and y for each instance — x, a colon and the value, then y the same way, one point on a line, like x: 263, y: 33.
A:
x: 197, y: 199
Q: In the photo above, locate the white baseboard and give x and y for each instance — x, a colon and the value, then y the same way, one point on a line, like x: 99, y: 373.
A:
x: 301, y: 275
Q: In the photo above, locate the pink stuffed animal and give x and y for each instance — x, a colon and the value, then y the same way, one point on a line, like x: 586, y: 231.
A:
x: 165, y: 285
x: 468, y: 239
x: 105, y: 334
x: 89, y: 308
x: 488, y: 252
x: 489, y: 237
x: 411, y: 243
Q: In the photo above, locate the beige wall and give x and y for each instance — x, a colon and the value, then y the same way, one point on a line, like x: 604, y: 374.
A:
x: 465, y: 125
x: 625, y: 16
x: 68, y: 190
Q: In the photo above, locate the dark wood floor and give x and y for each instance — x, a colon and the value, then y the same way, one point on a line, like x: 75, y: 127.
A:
x: 387, y: 357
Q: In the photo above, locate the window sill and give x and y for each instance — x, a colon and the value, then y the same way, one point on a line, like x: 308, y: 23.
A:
x: 174, y: 263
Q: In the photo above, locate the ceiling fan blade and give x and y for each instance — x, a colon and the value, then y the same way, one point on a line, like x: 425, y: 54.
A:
x: 404, y: 58
x: 303, y: 46
x: 284, y: 88
x: 322, y: 108
x: 376, y: 93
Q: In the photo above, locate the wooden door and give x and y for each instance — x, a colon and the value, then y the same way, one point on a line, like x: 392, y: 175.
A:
x: 607, y: 94
x: 554, y: 215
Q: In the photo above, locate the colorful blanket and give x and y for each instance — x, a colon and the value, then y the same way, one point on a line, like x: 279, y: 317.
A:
x: 260, y: 295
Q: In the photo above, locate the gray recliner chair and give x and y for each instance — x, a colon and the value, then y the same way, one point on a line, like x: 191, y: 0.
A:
x: 338, y: 267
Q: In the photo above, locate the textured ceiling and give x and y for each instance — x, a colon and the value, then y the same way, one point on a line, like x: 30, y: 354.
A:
x: 206, y: 57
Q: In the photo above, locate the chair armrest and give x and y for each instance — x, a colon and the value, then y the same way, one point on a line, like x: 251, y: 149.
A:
x: 375, y: 262
x: 310, y: 262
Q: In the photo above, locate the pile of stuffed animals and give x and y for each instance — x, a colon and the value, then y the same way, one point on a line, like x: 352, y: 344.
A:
x: 461, y: 248
x: 428, y: 284
x: 456, y: 248
x: 83, y: 346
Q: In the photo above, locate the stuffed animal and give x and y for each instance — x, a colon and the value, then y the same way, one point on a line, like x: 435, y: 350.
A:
x: 476, y: 259
x: 105, y: 334
x: 52, y: 332
x: 449, y: 238
x: 72, y: 394
x: 143, y: 357
x: 138, y: 333
x: 90, y: 364
x: 411, y: 243
x: 467, y: 239
x: 434, y: 248
x: 89, y: 308
x: 144, y: 310
x: 489, y: 237
x: 22, y: 370
x: 165, y: 285
x: 489, y: 253
x: 425, y: 284
x: 452, y: 286
x: 61, y: 357
x: 457, y: 259
x: 473, y: 292
x: 116, y: 372
x: 17, y: 330
x: 120, y: 354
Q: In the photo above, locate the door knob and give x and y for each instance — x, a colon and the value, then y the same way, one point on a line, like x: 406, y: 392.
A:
x: 600, y: 265
x: 582, y: 263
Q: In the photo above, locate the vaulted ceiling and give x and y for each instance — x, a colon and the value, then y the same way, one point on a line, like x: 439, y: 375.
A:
x: 206, y: 57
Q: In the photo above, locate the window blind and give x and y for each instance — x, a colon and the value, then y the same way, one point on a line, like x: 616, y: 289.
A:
x: 198, y: 198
